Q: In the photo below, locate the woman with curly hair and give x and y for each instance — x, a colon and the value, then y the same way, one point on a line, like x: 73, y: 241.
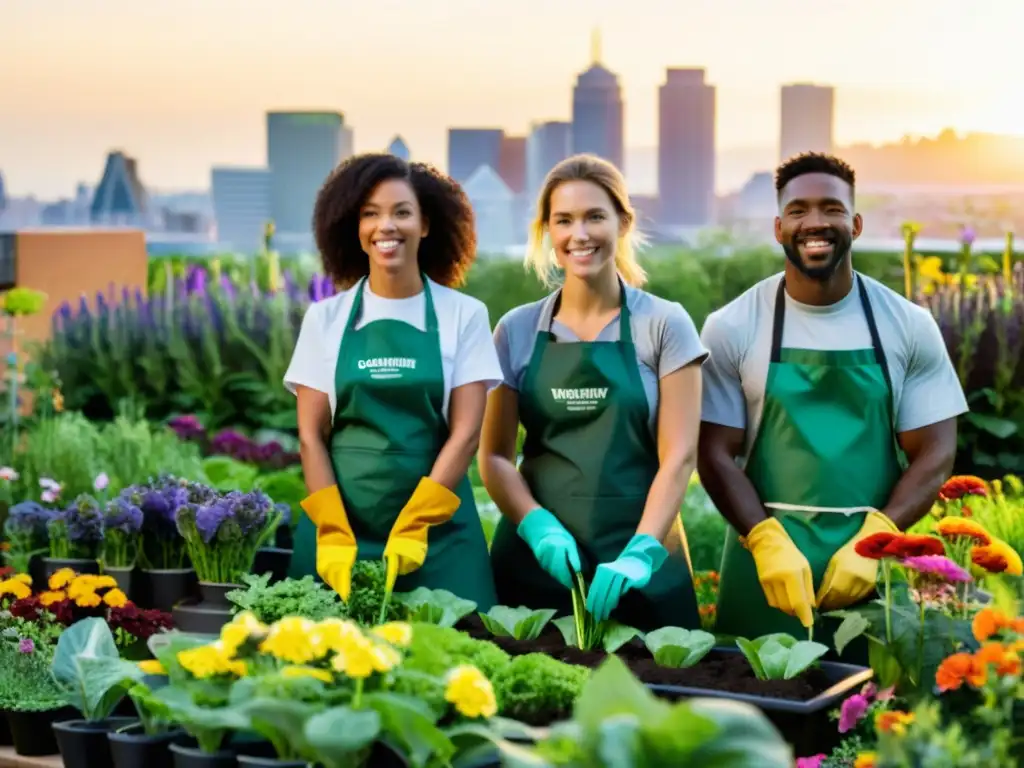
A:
x: 606, y: 379
x: 391, y: 378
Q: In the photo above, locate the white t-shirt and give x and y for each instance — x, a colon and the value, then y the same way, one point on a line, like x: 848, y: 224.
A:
x: 739, y: 339
x: 467, y: 347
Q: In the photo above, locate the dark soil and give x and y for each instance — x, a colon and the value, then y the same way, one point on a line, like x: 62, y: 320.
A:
x: 720, y: 671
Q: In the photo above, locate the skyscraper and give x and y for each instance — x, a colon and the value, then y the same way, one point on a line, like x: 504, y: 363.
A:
x: 399, y: 148
x: 597, y: 110
x: 548, y: 144
x: 120, y: 197
x: 686, y: 149
x: 302, y: 149
x: 241, y: 205
x: 470, y: 148
x: 807, y: 119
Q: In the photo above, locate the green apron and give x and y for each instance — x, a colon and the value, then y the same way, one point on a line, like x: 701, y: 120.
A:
x: 589, y: 459
x: 824, y: 455
x: 388, y: 429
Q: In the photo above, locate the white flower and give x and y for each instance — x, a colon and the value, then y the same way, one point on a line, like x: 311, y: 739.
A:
x: 8, y: 473
x: 101, y: 482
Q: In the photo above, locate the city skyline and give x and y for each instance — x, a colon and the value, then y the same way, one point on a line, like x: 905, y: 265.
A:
x: 180, y: 119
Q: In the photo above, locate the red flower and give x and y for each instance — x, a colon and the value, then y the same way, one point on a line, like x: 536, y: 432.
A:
x: 875, y: 546
x: 914, y: 545
x: 959, y: 486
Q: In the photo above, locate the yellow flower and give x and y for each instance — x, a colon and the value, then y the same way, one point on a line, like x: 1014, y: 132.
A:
x: 152, y: 667
x: 300, y: 671
x: 52, y: 596
x: 24, y: 578
x: 1014, y: 565
x: 893, y: 721
x: 88, y: 600
x: 361, y: 658
x: 865, y: 760
x: 61, y: 578
x: 103, y: 582
x: 290, y: 639
x: 235, y: 633
x: 115, y: 598
x: 210, y: 661
x: 395, y: 632
x: 14, y: 588
x: 333, y: 635
x: 470, y: 691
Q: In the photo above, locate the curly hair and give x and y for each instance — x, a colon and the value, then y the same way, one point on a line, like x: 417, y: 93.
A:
x: 445, y: 256
x: 813, y: 162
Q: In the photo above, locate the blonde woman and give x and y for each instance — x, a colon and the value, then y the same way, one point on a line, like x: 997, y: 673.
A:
x: 606, y: 380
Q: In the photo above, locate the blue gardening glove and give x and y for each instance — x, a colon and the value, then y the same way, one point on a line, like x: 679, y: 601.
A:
x: 631, y: 570
x: 552, y: 545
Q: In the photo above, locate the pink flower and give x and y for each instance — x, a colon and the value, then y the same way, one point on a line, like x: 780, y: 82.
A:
x: 101, y: 482
x: 852, y: 711
x: 814, y: 761
x: 937, y: 566
x: 27, y: 645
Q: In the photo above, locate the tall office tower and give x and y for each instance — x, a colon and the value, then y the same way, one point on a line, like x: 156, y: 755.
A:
x: 302, y: 149
x: 548, y: 144
x: 512, y: 163
x: 807, y: 119
x: 597, y: 110
x: 120, y: 197
x: 470, y: 148
x: 399, y: 148
x: 686, y: 149
x: 241, y: 205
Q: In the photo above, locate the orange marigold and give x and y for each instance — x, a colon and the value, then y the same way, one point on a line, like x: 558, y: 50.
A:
x: 997, y: 557
x: 893, y: 721
x: 1005, y: 660
x: 115, y: 598
x: 958, y: 527
x: 959, y: 486
x: 957, y: 669
x: 88, y: 600
x: 988, y: 622
x: 865, y: 760
x: 874, y: 547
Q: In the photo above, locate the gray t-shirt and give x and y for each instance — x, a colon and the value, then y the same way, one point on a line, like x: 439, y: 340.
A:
x: 739, y: 338
x: 664, y: 335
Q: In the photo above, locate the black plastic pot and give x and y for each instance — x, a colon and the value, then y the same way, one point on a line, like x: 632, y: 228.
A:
x: 32, y: 732
x: 37, y: 570
x: 249, y: 761
x: 804, y: 724
x: 207, y: 615
x: 84, y: 743
x: 215, y: 595
x: 193, y: 757
x: 163, y: 589
x: 283, y: 536
x: 132, y: 748
x: 79, y: 565
x: 5, y: 730
x: 274, y: 560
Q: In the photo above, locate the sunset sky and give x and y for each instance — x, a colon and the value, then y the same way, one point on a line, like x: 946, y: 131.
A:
x: 183, y: 84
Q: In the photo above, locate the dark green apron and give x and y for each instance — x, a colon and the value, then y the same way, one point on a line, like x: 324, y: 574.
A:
x: 589, y: 459
x: 824, y: 455
x: 388, y: 429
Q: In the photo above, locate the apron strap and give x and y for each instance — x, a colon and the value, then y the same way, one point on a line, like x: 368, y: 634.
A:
x: 430, y: 320
x: 625, y: 327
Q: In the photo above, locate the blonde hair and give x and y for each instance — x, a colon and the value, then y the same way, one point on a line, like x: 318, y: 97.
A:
x: 540, y: 256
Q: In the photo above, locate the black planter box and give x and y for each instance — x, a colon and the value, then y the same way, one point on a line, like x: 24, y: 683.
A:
x: 804, y: 724
x: 32, y: 732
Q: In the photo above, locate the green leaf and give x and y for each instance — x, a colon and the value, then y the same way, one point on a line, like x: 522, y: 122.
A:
x: 801, y: 656
x: 774, y: 657
x: 89, y: 669
x: 412, y: 723
x: 435, y: 606
x: 750, y: 651
x: 619, y: 740
x: 338, y: 734
x: 677, y: 647
x: 227, y: 474
x: 853, y: 626
x: 521, y: 623
x: 745, y: 737
x: 567, y: 626
x: 612, y: 690
x: 615, y: 635
x: 995, y: 426
x: 282, y: 722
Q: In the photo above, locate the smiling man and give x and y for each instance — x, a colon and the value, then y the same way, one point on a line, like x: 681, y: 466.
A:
x: 839, y: 400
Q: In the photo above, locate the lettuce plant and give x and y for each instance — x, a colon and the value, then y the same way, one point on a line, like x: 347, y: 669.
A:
x: 521, y: 623
x: 435, y: 606
x: 677, y: 647
x: 780, y: 656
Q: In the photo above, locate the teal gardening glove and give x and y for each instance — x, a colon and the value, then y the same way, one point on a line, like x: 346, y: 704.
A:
x: 632, y: 569
x: 552, y: 545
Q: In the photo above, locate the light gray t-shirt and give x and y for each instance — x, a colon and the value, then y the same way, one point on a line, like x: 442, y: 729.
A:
x: 664, y: 335
x: 926, y: 389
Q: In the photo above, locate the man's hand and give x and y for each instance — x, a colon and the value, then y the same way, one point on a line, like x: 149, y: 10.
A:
x: 849, y: 577
x: 783, y: 571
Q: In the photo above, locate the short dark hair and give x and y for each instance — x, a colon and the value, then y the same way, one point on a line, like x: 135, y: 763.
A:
x: 445, y: 256
x: 812, y: 162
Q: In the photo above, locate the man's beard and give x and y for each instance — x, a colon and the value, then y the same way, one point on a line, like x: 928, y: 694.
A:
x: 841, y: 243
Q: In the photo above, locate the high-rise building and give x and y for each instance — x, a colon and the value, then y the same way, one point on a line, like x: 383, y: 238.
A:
x: 470, y: 148
x: 597, y: 111
x: 686, y: 149
x: 548, y: 144
x: 512, y: 163
x: 241, y: 205
x: 807, y: 119
x: 3, y: 194
x: 399, y: 148
x: 120, y: 198
x: 302, y: 149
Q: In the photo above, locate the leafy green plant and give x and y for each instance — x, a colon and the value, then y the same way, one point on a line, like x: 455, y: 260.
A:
x: 678, y: 647
x: 538, y: 689
x: 26, y: 684
x: 580, y: 629
x: 435, y: 606
x: 290, y: 597
x: 367, y: 603
x: 779, y: 656
x: 225, y: 473
x: 521, y: 623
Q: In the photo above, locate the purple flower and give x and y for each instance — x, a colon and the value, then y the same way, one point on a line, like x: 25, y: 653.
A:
x: 187, y: 427
x: 28, y: 518
x: 937, y: 566
x: 82, y: 521
x: 121, y: 515
x: 210, y: 518
x: 967, y: 235
x: 26, y: 645
x: 852, y: 711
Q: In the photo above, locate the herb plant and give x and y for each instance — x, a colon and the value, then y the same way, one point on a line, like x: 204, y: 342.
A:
x: 521, y: 623
x: 291, y: 597
x: 26, y: 684
x: 677, y: 647
x: 780, y: 656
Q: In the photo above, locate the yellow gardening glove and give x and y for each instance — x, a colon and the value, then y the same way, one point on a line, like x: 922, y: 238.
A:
x: 335, y: 542
x: 783, y: 571
x: 849, y: 577
x: 431, y: 504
